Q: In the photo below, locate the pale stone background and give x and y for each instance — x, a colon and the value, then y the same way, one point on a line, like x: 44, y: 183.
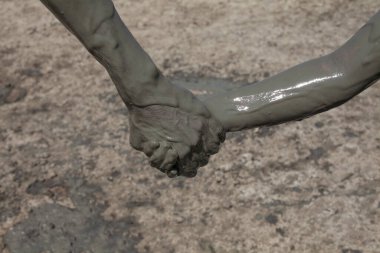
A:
x: 70, y: 181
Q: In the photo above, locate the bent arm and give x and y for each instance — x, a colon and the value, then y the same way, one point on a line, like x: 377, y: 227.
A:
x: 306, y: 89
x: 168, y: 123
x: 139, y: 82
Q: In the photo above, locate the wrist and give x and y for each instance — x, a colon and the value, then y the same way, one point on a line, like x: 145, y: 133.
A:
x: 160, y: 91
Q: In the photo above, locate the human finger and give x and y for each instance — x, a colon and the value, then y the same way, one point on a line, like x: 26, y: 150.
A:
x: 149, y: 147
x: 135, y: 140
x: 169, y: 161
x: 159, y: 155
x: 182, y: 150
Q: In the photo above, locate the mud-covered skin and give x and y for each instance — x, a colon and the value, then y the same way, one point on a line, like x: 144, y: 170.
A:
x: 306, y: 89
x: 98, y: 26
x: 182, y: 135
x: 299, y: 92
x: 177, y: 142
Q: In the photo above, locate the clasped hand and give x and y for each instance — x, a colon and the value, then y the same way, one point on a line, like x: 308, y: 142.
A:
x: 176, y: 142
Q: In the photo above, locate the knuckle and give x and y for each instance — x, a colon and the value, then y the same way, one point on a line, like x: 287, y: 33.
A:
x: 190, y: 172
x: 213, y: 148
x: 149, y: 148
x: 222, y: 135
x: 155, y: 164
x: 203, y: 161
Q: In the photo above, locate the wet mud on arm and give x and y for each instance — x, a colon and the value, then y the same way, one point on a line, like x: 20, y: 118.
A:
x: 168, y: 123
x: 306, y: 89
x: 139, y: 82
x: 98, y: 26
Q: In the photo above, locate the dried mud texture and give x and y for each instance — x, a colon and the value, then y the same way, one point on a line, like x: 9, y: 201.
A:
x: 52, y: 227
x: 309, y: 186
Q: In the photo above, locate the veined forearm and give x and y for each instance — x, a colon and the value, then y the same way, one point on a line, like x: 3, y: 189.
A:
x: 98, y: 26
x: 306, y: 89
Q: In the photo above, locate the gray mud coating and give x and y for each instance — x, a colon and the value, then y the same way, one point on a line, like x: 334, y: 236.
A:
x: 144, y: 90
x: 205, y: 86
x: 55, y: 228
x: 319, y: 177
x: 306, y: 89
x: 154, y: 104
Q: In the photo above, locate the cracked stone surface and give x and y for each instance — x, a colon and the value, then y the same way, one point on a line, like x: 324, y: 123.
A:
x: 70, y: 181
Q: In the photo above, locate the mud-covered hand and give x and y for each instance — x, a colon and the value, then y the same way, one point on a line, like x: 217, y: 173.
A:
x: 171, y: 137
x: 176, y: 142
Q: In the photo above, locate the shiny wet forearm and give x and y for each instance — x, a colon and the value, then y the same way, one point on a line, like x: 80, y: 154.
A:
x: 306, y: 89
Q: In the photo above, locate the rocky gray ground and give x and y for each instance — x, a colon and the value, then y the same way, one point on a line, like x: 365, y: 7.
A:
x: 70, y: 181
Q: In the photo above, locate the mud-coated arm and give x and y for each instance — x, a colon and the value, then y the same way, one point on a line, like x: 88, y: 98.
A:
x: 168, y: 123
x: 98, y: 26
x: 306, y: 89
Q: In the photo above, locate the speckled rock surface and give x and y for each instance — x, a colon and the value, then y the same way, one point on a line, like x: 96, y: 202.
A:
x: 70, y: 181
